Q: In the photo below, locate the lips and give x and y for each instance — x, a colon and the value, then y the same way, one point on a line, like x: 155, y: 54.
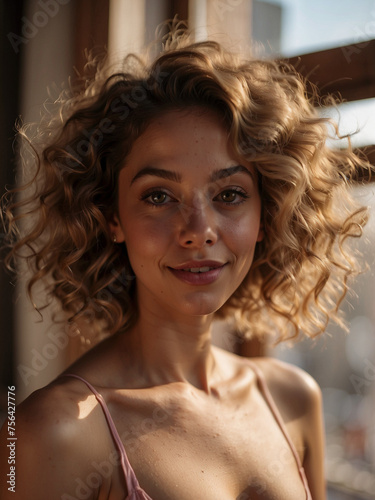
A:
x: 199, y: 269
x: 198, y: 273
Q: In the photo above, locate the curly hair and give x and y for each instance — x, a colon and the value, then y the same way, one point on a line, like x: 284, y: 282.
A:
x: 300, y: 270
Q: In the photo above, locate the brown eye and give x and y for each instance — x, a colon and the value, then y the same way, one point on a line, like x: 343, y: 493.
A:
x: 229, y: 196
x: 232, y: 197
x: 158, y: 198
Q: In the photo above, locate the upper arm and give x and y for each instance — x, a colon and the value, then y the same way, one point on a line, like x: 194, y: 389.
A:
x: 313, y: 430
x: 308, y: 416
x: 52, y: 456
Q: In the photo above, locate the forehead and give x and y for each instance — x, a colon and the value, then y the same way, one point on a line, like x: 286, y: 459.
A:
x: 188, y: 124
x: 189, y: 137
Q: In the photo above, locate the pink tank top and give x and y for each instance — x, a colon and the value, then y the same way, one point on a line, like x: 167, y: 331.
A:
x: 135, y: 492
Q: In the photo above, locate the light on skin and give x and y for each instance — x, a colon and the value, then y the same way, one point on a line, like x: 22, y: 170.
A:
x: 186, y: 201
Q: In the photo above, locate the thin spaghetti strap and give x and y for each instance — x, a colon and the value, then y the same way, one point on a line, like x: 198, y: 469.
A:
x: 272, y: 405
x: 130, y: 477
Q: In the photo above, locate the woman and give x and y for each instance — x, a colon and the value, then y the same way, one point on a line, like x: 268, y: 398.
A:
x: 170, y: 195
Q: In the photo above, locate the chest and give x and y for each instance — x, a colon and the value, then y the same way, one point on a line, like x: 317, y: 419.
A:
x: 192, y: 448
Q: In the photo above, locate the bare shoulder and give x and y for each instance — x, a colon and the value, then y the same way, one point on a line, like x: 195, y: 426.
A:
x: 52, y: 427
x: 48, y: 404
x: 291, y: 386
x: 285, y: 381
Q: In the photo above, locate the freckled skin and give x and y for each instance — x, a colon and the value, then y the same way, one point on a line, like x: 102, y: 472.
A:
x: 156, y: 237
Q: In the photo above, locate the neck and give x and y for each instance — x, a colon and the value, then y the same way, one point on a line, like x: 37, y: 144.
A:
x: 165, y: 350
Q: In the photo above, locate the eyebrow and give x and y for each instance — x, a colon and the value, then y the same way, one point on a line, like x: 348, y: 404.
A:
x: 174, y: 176
x: 227, y: 172
x: 157, y: 172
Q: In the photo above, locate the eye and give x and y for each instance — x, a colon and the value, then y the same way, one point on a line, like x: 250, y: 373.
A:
x: 232, y: 196
x: 229, y: 196
x: 156, y: 198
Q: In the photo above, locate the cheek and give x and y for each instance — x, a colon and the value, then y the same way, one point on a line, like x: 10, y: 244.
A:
x: 242, y: 235
x: 146, y: 239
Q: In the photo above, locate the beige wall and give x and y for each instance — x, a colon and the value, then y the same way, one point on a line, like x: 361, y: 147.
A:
x: 132, y: 24
x: 47, y: 63
x: 229, y: 22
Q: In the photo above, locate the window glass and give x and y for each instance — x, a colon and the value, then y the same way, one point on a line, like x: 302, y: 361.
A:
x: 308, y: 26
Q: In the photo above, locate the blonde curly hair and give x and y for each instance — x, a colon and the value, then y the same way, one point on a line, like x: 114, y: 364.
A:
x: 300, y: 269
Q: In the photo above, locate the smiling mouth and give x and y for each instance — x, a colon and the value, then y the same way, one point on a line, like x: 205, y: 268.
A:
x: 199, y: 269
x: 203, y: 275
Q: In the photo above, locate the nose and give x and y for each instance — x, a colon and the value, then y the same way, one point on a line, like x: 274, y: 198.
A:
x: 198, y: 226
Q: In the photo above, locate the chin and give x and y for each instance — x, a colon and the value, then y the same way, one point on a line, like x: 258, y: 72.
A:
x: 201, y: 307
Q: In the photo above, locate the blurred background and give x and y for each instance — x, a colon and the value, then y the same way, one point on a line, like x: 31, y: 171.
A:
x: 42, y: 51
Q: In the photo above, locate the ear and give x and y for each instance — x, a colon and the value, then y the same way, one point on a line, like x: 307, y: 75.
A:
x: 115, y: 229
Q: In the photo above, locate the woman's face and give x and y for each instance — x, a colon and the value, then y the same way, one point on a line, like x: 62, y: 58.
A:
x: 189, y: 214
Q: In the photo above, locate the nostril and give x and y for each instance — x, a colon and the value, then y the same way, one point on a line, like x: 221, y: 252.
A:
x: 206, y: 242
